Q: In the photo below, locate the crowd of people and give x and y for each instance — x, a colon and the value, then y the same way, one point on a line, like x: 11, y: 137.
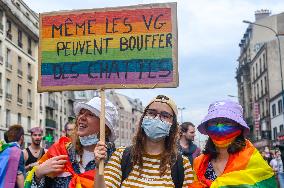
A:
x: 162, y: 152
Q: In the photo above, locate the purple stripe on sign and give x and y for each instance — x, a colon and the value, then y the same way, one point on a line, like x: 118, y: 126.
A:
x: 130, y: 78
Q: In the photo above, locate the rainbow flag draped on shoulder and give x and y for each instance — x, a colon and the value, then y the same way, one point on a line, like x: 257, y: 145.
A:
x: 84, y: 180
x: 9, y: 161
x: 245, y: 169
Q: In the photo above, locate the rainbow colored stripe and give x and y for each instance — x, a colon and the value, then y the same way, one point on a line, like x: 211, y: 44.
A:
x: 108, y: 46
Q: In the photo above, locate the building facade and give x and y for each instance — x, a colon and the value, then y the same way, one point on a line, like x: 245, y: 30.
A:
x: 129, y: 112
x: 258, y: 77
x: 19, y: 101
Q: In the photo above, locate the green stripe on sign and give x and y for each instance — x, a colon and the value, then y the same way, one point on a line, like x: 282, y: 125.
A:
x: 112, y: 54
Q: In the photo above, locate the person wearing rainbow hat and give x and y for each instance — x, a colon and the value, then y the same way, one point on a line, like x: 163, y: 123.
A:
x: 229, y: 160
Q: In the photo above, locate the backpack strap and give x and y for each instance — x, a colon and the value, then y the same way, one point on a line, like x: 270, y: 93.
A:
x: 126, y: 163
x: 177, y: 172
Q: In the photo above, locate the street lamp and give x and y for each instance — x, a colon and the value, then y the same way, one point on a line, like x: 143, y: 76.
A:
x: 181, y: 109
x: 279, y: 52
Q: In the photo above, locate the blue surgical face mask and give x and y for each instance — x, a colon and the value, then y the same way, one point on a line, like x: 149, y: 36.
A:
x: 155, y: 129
x: 89, y: 140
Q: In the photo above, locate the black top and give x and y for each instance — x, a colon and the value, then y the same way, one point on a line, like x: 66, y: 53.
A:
x: 33, y: 159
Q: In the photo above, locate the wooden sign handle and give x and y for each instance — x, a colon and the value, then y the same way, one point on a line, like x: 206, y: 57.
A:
x: 102, y: 128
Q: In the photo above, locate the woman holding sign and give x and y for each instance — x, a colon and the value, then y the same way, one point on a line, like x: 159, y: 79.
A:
x: 229, y: 160
x: 70, y: 162
x: 152, y: 160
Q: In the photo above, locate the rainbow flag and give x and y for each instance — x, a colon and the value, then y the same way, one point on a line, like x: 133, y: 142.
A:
x: 84, y: 180
x: 9, y: 160
x: 246, y: 169
x: 122, y: 46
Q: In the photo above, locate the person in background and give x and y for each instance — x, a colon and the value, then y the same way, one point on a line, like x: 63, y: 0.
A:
x: 267, y: 154
x: 229, y: 160
x: 153, y: 159
x: 69, y: 129
x: 69, y: 163
x: 277, y: 166
x: 186, y: 146
x: 34, y: 152
x: 12, y: 165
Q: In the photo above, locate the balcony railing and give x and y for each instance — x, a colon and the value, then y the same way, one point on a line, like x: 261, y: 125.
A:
x: 20, y: 100
x: 9, y: 96
x: 20, y: 72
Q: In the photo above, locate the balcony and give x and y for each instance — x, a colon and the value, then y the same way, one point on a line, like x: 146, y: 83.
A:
x: 8, y: 96
x: 9, y: 35
x: 50, y: 104
x: 30, y: 104
x: 8, y: 66
x: 1, y: 60
x: 30, y: 78
x: 20, y: 73
x: 20, y: 100
x: 50, y: 123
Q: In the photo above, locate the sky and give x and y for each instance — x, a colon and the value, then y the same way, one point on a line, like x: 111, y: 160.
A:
x: 208, y: 36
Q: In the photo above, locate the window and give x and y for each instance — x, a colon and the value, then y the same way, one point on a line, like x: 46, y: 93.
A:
x: 264, y: 61
x: 1, y: 55
x: 29, y: 46
x: 261, y: 87
x: 1, y: 17
x: 20, y: 36
x: 265, y: 84
x: 8, y: 59
x: 260, y: 66
x: 29, y: 98
x: 257, y: 90
x: 30, y: 77
x: 19, y: 94
x: 8, y: 118
x: 19, y: 119
x: 29, y: 122
x: 273, y: 110
x: 253, y: 71
x: 275, y: 133
x: 256, y: 69
x: 281, y: 127
x: 280, y: 106
x: 20, y: 72
x: 8, y: 89
x: 9, y: 29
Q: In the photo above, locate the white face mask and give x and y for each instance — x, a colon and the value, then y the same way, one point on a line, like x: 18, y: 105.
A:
x: 89, y: 140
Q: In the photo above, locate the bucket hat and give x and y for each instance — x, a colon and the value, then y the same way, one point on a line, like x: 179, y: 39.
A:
x: 111, y: 114
x: 224, y: 109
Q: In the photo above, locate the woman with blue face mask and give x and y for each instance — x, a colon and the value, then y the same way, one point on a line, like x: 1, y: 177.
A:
x: 70, y: 161
x: 152, y: 159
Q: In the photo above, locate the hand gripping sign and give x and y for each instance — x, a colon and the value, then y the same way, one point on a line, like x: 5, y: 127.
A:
x: 121, y: 47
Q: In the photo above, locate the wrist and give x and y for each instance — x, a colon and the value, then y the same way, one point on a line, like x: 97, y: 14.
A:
x: 38, y: 174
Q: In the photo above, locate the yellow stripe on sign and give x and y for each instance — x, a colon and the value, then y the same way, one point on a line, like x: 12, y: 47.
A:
x: 257, y: 170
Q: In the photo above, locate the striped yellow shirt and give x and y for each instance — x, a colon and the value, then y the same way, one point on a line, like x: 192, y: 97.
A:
x: 149, y: 176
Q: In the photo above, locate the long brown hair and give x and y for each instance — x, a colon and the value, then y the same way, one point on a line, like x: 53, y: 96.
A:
x: 168, y: 156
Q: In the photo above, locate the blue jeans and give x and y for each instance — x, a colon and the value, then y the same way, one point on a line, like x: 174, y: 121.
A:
x: 280, y: 176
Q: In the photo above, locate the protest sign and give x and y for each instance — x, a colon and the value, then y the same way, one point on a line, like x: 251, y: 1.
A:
x: 122, y: 47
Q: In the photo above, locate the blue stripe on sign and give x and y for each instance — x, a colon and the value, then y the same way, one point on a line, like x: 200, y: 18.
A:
x: 85, y: 67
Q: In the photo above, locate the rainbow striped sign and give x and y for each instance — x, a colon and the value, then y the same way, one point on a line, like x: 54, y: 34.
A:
x: 122, y: 47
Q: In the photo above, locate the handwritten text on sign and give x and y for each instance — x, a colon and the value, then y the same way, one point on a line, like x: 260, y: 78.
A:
x: 112, y: 48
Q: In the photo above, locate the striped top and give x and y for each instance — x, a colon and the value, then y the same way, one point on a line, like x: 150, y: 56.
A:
x: 150, y: 175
